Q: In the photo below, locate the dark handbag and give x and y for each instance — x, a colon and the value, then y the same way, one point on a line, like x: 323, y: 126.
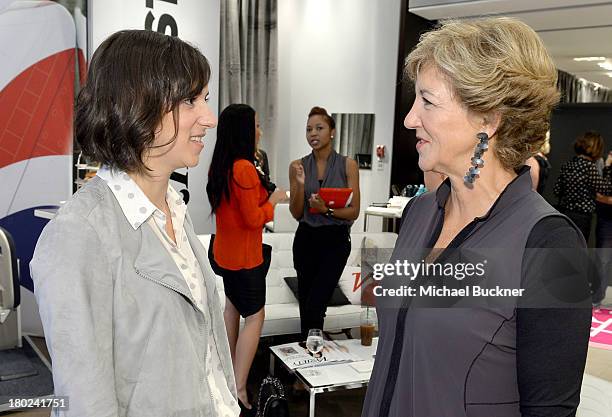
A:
x: 264, y: 178
x: 272, y: 401
x: 266, y: 253
x: 211, y: 257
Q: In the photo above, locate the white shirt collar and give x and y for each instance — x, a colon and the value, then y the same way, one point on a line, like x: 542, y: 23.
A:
x: 135, y: 205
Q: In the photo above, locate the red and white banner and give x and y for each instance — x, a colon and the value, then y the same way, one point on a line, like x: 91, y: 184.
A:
x: 37, y: 76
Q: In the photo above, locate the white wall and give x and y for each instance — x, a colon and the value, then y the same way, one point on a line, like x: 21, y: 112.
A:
x: 341, y: 55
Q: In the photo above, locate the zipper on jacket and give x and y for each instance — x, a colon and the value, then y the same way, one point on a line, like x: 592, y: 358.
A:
x: 202, y: 328
x: 189, y: 297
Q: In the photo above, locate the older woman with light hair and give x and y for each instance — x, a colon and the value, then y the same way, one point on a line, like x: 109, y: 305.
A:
x: 485, y: 90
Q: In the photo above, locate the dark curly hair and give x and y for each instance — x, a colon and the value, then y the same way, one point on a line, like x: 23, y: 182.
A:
x: 134, y: 79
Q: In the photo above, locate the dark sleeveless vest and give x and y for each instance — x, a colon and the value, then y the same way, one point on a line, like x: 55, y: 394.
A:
x: 455, y: 362
x: 335, y: 177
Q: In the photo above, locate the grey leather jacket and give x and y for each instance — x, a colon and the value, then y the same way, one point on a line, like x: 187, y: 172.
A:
x: 125, y: 336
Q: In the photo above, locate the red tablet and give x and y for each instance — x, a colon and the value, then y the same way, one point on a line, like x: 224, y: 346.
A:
x: 335, y: 197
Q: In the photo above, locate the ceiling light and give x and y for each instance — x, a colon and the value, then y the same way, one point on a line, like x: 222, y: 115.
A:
x: 590, y: 58
x: 606, y: 65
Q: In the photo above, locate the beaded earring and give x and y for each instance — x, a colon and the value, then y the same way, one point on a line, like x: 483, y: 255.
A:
x: 477, y: 161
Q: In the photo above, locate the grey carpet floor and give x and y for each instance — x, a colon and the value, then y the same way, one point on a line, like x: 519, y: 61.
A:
x: 36, y: 381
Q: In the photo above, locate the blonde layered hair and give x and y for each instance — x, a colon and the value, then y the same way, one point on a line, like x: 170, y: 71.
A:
x: 495, y: 66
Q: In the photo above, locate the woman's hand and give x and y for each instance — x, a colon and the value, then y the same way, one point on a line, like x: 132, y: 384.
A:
x: 277, y: 196
x: 317, y: 203
x: 609, y: 159
x: 300, y: 177
x: 605, y: 199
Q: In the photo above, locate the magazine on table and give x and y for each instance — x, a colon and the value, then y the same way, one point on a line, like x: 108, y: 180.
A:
x: 295, y: 356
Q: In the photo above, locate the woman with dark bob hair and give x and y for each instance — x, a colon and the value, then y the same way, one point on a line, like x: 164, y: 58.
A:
x: 126, y: 294
x: 484, y: 90
x: 242, y: 206
x: 579, y: 181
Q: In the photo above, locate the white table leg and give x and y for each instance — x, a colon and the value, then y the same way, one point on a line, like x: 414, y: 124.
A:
x: 311, y: 408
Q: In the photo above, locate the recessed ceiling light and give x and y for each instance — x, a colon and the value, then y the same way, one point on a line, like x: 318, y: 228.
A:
x: 606, y: 65
x: 590, y: 58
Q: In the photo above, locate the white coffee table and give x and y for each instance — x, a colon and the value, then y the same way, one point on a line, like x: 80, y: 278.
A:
x: 335, y: 376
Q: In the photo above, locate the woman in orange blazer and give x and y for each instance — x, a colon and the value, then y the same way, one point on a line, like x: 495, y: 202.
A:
x: 242, y: 206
